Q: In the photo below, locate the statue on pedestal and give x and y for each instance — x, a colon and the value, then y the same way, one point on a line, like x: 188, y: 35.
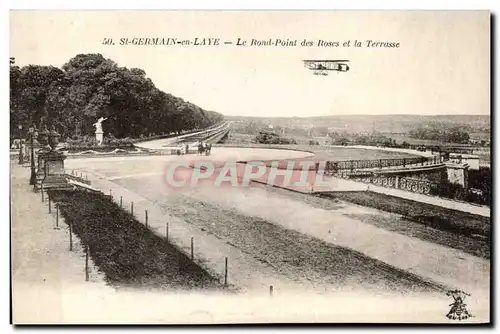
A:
x: 53, y: 138
x: 51, y: 172
x: 98, y: 130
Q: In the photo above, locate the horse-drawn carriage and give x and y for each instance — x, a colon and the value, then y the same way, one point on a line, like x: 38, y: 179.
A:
x: 204, y: 148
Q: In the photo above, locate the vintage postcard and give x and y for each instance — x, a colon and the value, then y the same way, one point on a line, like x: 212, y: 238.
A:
x: 229, y: 167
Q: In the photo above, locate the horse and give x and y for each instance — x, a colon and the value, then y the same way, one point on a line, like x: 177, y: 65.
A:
x: 208, y: 149
x: 201, y: 149
x: 204, y: 148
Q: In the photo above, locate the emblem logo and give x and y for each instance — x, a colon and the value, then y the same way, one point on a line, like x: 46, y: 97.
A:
x: 458, y: 309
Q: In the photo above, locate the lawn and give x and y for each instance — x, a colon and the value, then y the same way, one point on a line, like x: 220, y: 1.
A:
x: 127, y: 252
x: 326, y: 153
x: 394, y: 221
x: 356, y: 153
x: 431, y: 215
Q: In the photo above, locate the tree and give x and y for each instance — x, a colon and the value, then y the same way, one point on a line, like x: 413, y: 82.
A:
x: 89, y: 86
x: 442, y: 132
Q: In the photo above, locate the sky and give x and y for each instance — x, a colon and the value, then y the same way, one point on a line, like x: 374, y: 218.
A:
x: 441, y: 67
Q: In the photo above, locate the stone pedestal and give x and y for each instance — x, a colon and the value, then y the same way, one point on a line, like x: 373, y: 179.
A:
x: 54, y: 175
x: 458, y: 173
x: 99, y: 137
x: 50, y: 173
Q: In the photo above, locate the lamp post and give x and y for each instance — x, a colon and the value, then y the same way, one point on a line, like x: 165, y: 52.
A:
x: 42, y: 137
x: 33, y: 133
x: 21, y: 155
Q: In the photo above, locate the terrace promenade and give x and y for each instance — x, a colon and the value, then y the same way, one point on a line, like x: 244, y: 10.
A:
x: 46, y: 276
x: 169, y: 143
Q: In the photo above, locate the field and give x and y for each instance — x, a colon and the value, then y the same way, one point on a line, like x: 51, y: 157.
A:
x: 484, y: 153
x: 484, y: 156
x: 325, y: 153
x: 322, y: 153
x: 356, y: 153
x: 470, y: 233
x: 395, y: 127
x: 478, y: 124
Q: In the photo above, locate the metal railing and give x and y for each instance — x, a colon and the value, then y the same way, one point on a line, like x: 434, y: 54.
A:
x: 415, y: 185
x: 334, y: 167
x: 419, y: 186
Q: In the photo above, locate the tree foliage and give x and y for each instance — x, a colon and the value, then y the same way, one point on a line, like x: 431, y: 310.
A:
x: 269, y: 137
x: 89, y: 86
x: 374, y: 139
x: 453, y: 134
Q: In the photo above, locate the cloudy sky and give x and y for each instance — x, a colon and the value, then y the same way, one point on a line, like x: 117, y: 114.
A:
x: 441, y: 67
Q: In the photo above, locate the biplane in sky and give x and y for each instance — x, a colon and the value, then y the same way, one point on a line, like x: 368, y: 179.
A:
x: 320, y: 67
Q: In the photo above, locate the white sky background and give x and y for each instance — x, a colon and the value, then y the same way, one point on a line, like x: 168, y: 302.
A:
x: 442, y: 66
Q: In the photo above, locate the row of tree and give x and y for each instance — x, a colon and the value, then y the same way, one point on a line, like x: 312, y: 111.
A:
x: 454, y: 134
x: 270, y: 137
x: 343, y: 138
x: 89, y: 86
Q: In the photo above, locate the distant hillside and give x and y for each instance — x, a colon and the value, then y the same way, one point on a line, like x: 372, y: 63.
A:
x: 369, y: 123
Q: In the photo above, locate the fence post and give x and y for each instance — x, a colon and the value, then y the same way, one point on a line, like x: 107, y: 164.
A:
x: 225, y: 272
x: 166, y: 231
x: 70, y: 236
x: 57, y: 216
x: 50, y: 206
x: 121, y: 201
x: 146, y: 213
x: 132, y: 208
x: 110, y: 194
x: 86, y: 263
x: 380, y: 162
x: 192, y: 248
x: 271, y: 290
x: 404, y: 162
x: 43, y: 199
